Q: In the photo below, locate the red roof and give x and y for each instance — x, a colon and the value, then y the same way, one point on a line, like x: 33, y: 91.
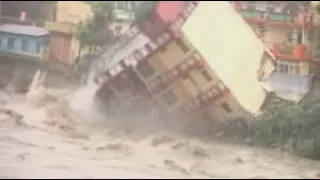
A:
x: 169, y: 10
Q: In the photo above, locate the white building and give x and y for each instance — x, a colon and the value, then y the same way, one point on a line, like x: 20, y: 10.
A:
x: 124, y: 13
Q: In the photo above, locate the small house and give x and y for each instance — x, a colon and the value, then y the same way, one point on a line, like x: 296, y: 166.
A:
x: 23, y: 42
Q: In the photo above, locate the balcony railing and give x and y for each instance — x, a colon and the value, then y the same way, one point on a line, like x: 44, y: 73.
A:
x: 297, y: 52
x: 206, y: 98
x: 178, y: 23
x: 275, y: 18
x: 162, y: 81
x: 252, y: 14
x: 135, y: 57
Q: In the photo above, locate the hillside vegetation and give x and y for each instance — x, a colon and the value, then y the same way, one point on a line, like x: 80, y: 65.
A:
x: 290, y: 127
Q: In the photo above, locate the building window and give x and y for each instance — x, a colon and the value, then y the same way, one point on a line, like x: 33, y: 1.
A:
x: 122, y: 5
x: 270, y: 9
x: 129, y: 5
x: 300, y: 37
x: 11, y: 41
x: 54, y: 14
x: 206, y: 75
x: 295, y: 37
x: 148, y: 47
x: 226, y: 107
x: 137, y: 54
x: 184, y: 48
x: 117, y: 29
x: 163, y: 49
x: 122, y: 83
x: 283, y: 68
x: 38, y: 47
x: 145, y: 69
x: 25, y: 45
x: 288, y: 68
x: 251, y: 7
x: 168, y: 98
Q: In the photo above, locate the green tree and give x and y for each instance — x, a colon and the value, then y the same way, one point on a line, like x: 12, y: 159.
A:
x: 94, y: 32
x: 144, y: 11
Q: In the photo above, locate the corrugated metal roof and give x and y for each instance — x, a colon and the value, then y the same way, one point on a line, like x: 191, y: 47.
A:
x: 24, y: 30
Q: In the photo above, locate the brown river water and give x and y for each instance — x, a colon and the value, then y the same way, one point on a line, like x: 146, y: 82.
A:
x: 53, y: 141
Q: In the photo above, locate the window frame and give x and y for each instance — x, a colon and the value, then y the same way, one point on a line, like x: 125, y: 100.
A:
x: 168, y: 102
x: 226, y: 107
x: 142, y: 67
x: 206, y: 75
x: 25, y: 45
x: 182, y: 45
x: 9, y: 45
x: 117, y: 29
x: 292, y: 68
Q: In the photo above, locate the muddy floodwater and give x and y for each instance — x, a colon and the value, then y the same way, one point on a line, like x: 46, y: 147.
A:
x: 53, y: 142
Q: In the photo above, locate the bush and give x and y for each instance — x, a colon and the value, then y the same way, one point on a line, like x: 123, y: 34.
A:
x: 294, y: 128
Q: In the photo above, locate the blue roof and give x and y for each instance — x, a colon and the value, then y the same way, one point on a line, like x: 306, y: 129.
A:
x: 23, y: 30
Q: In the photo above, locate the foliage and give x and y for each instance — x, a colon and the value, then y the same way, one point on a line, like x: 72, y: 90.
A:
x: 144, y: 11
x: 290, y: 127
x: 94, y: 31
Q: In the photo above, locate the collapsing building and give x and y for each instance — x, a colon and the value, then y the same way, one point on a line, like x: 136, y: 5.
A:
x: 183, y: 58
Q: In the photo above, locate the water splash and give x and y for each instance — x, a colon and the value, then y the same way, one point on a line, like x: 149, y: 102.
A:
x: 37, y: 94
x: 83, y: 99
x: 37, y: 81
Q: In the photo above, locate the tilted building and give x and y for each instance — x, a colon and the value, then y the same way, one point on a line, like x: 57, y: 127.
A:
x: 183, y: 58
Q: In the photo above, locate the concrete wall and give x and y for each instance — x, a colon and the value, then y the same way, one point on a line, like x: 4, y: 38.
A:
x: 72, y: 11
x: 170, y: 56
x: 219, y: 114
x: 60, y: 47
x: 276, y: 35
x: 21, y: 76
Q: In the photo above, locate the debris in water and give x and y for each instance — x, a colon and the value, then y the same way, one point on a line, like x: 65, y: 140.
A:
x: 22, y: 156
x: 51, y: 123
x: 65, y: 127
x: 115, y: 147
x: 17, y: 117
x: 179, y: 145
x: 239, y: 160
x: 77, y: 135
x: 196, y: 151
x: 158, y: 140
x: 200, y: 152
x: 174, y: 166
